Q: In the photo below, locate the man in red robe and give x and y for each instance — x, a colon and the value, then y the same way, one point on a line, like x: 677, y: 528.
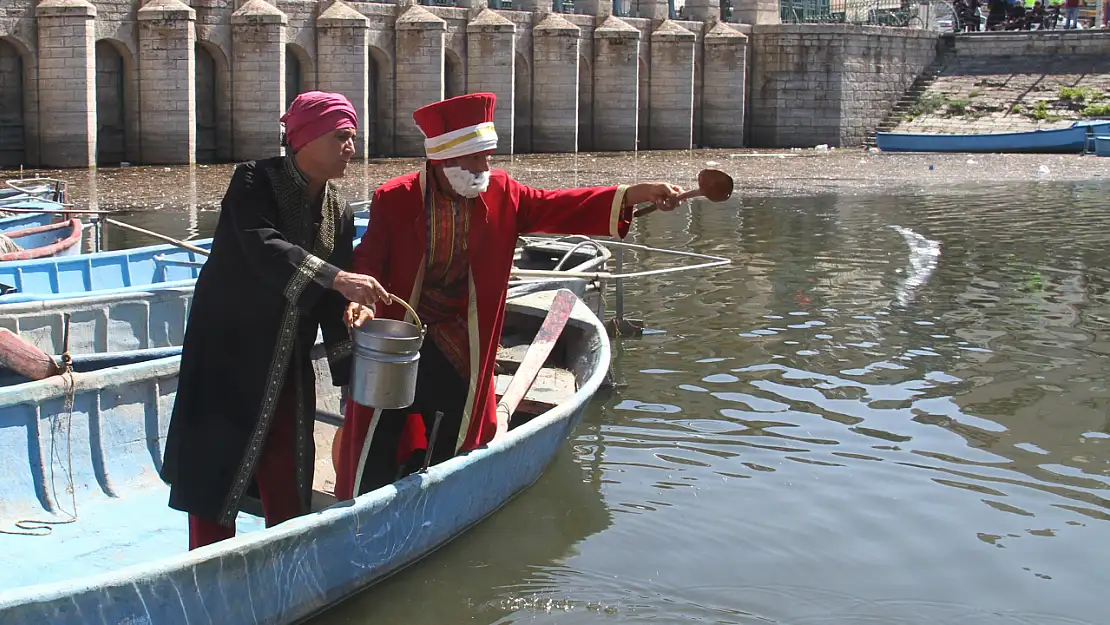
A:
x: 444, y: 238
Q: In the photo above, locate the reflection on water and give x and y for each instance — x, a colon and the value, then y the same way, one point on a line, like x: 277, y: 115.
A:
x: 897, y: 411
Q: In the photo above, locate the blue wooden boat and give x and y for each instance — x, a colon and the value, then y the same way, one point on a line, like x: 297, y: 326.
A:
x: 1071, y: 140
x: 168, y: 266
x: 145, y: 318
x: 21, y: 189
x: 103, y: 273
x: 117, y: 322
x: 52, y: 240
x: 123, y: 557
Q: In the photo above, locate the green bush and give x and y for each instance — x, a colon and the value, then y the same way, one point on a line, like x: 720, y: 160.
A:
x: 1096, y: 110
x: 926, y: 104
x: 958, y: 107
x: 1079, y: 94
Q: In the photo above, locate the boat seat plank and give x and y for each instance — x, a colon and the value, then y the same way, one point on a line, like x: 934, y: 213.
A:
x: 552, y: 387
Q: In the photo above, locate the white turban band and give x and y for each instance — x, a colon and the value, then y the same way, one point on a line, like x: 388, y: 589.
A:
x: 462, y: 142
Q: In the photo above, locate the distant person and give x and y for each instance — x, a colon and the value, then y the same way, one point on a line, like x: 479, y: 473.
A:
x: 1015, y: 16
x: 245, y: 407
x: 1071, y: 14
x: 975, y: 16
x: 1037, y: 16
x: 996, y: 16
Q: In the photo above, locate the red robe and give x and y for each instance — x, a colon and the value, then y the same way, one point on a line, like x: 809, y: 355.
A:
x: 393, y: 251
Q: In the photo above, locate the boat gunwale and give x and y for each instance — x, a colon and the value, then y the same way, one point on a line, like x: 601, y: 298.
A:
x: 1066, y: 129
x: 597, y: 342
x: 45, y: 251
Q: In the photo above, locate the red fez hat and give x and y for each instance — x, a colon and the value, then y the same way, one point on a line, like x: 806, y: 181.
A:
x: 458, y: 126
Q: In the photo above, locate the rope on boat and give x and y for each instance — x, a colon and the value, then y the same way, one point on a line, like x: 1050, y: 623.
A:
x: 7, y: 246
x: 31, y: 527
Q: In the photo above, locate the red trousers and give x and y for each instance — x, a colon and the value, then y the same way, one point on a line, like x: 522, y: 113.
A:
x: 274, y: 473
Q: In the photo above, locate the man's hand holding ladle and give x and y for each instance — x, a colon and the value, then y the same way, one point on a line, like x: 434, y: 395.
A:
x: 713, y: 184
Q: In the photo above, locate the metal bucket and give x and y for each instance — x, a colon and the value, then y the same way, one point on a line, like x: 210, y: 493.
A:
x: 386, y: 357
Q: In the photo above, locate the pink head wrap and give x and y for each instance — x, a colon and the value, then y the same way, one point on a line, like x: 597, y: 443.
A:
x: 316, y: 113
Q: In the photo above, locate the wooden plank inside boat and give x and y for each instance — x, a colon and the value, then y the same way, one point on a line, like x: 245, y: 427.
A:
x: 552, y: 387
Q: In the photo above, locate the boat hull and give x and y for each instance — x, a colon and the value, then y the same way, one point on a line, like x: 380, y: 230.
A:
x: 106, y: 273
x: 274, y: 576
x: 1071, y: 140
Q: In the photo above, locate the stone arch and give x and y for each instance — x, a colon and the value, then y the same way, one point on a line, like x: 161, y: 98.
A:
x: 380, y: 103
x: 643, y: 104
x: 14, y: 107
x: 117, y: 108
x: 522, y: 106
x: 299, y: 72
x: 454, y: 74
x: 213, y: 104
x: 585, y: 105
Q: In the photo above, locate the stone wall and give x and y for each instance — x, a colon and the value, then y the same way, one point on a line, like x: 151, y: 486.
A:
x: 11, y: 106
x: 1007, y: 82
x: 831, y: 84
x: 1052, y: 43
x: 180, y: 81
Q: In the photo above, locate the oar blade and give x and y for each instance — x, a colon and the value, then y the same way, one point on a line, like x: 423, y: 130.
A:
x: 552, y: 328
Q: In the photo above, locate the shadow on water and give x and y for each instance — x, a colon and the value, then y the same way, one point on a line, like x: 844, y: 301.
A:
x: 495, y: 568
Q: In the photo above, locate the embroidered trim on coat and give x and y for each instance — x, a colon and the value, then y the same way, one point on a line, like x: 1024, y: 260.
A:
x: 295, y: 223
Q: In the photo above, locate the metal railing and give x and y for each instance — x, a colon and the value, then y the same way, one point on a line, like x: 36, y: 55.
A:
x: 898, y: 13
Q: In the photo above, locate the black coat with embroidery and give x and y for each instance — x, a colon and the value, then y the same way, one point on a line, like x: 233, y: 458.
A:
x: 259, y: 301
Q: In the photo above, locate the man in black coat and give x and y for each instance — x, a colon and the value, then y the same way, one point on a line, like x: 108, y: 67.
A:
x: 245, y: 407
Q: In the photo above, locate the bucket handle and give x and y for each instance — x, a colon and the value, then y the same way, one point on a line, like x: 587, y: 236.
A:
x: 396, y: 300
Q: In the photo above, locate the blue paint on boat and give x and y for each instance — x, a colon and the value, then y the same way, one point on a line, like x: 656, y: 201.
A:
x: 1102, y: 145
x: 1071, y: 140
x: 104, y: 273
x: 18, y: 222
x: 140, y: 319
x: 124, y: 559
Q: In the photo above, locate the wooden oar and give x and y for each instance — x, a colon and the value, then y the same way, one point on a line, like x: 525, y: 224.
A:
x: 24, y: 358
x: 535, y: 357
x: 713, y: 184
x: 182, y: 244
x: 37, y: 211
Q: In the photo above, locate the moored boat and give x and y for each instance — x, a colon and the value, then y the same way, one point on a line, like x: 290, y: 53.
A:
x: 62, y: 239
x: 118, y: 552
x: 18, y: 190
x: 105, y: 273
x: 158, y: 267
x: 1072, y: 140
x: 143, y: 318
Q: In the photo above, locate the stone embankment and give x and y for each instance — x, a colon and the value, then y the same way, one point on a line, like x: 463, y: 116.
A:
x: 1003, y: 82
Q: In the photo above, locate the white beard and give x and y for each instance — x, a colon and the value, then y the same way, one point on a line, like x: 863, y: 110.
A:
x: 466, y: 183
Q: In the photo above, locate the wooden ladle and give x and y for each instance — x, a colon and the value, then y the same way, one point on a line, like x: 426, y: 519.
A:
x: 713, y: 184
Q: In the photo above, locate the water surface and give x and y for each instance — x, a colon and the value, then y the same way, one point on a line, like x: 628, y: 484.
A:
x: 894, y: 410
